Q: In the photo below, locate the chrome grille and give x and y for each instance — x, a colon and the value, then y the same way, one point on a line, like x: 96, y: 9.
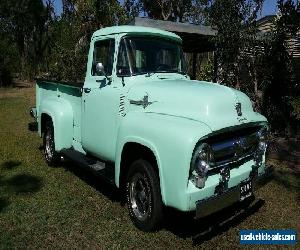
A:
x: 231, y: 149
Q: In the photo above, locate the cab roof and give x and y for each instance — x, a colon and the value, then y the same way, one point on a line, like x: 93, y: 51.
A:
x: 129, y: 29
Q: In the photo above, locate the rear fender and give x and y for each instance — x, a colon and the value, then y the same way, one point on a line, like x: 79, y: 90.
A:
x: 61, y: 113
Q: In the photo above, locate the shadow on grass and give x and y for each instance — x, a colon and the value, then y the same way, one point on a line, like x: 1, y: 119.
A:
x: 17, y: 184
x: 180, y: 224
x: 93, y: 180
x: 10, y: 164
x: 24, y: 183
x: 3, y: 204
x: 185, y: 226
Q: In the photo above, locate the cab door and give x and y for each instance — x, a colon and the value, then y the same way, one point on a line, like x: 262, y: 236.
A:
x: 100, y: 101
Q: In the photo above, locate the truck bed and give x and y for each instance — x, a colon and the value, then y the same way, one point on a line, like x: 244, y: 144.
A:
x: 72, y: 84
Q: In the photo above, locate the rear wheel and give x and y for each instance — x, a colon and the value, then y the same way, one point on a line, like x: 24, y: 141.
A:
x: 51, y: 156
x: 143, y: 196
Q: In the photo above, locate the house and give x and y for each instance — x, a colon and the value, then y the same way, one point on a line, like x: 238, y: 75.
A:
x: 266, y: 24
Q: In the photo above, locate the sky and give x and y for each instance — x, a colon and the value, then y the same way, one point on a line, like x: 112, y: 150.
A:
x: 269, y: 7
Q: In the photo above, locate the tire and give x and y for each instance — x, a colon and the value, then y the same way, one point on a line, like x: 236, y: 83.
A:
x: 51, y: 156
x: 143, y: 196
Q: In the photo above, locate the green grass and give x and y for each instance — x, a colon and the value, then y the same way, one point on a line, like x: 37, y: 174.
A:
x: 66, y: 207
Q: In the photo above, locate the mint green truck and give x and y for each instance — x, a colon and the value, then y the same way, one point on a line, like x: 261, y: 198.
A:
x: 139, y: 122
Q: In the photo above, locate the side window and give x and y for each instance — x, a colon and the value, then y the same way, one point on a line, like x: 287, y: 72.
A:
x: 123, y: 68
x: 104, y: 53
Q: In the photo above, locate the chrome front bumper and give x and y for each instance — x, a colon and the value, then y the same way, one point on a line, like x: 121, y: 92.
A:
x: 230, y: 196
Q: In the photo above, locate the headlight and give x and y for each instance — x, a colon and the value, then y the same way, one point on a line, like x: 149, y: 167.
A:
x: 262, y: 135
x: 263, y: 139
x: 201, y: 162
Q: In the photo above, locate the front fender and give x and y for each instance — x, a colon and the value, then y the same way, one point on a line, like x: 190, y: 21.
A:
x: 172, y: 140
x: 61, y: 113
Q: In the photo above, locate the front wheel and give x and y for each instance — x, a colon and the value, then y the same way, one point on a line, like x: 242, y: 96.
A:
x: 51, y: 156
x: 143, y: 196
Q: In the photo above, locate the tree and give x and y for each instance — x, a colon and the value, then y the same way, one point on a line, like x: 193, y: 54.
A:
x: 8, y: 58
x: 132, y: 8
x: 235, y: 21
x: 73, y: 31
x: 281, y: 92
x: 25, y: 20
x: 175, y: 10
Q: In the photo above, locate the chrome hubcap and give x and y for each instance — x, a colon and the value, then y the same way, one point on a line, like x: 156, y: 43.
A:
x: 140, y: 198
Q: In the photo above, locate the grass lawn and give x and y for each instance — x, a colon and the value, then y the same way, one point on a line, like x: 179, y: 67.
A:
x: 66, y: 207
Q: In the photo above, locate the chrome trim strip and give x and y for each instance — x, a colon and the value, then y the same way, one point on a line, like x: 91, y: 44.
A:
x: 230, y: 162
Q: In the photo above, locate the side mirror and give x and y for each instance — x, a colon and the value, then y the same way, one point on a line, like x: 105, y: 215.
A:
x: 100, y: 69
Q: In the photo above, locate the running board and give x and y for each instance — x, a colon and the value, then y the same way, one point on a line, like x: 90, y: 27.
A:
x: 100, y: 168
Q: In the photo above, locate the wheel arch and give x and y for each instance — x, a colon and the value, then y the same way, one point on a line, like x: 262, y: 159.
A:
x: 133, y: 150
x: 44, y: 119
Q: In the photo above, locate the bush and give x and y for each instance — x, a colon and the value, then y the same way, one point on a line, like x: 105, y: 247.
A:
x: 8, y: 61
x: 296, y: 107
x: 5, y: 77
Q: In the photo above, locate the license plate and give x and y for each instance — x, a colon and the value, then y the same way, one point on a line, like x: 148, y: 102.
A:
x: 245, y: 189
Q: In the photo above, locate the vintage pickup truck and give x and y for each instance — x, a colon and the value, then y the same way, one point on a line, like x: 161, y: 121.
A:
x: 142, y: 124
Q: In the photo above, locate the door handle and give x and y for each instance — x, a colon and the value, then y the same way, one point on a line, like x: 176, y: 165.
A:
x: 105, y: 81
x: 86, y: 90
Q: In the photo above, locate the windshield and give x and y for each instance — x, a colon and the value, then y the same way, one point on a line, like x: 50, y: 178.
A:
x: 142, y: 55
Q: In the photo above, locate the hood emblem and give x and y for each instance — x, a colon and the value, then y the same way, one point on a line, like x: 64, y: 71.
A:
x: 144, y: 102
x: 238, y: 108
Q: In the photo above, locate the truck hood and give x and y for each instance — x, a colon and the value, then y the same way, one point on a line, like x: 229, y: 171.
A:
x: 209, y: 103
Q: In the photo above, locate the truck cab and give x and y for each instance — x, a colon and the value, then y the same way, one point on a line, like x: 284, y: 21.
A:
x: 139, y: 122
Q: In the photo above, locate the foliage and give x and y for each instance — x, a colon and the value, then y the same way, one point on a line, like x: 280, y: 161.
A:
x: 72, y: 33
x: 279, y: 86
x: 25, y: 22
x: 175, y: 10
x: 296, y: 107
x: 8, y: 59
x: 235, y: 22
x: 206, y: 72
x: 259, y: 65
x: 132, y: 8
x: 65, y: 63
x: 46, y: 43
